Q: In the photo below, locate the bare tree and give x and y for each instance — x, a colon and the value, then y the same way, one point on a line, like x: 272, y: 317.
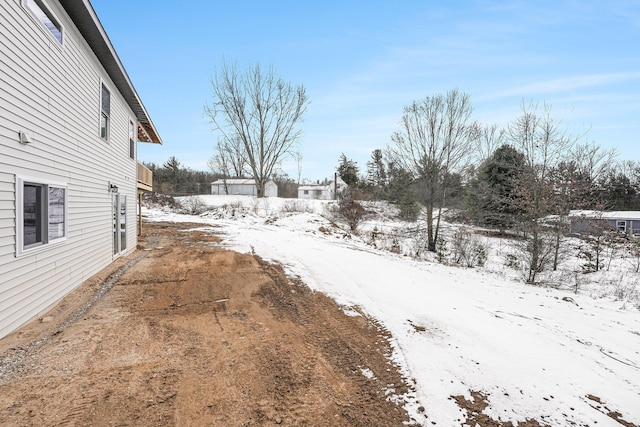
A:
x: 229, y: 158
x: 298, y: 158
x: 490, y: 138
x: 592, y: 162
x: 539, y: 137
x: 434, y: 141
x: 260, y: 109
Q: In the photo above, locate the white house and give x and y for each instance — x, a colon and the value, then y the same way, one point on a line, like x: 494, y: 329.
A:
x: 242, y: 187
x: 69, y: 122
x: 322, y: 191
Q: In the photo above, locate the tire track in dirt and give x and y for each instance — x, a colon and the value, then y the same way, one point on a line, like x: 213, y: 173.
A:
x: 196, y: 335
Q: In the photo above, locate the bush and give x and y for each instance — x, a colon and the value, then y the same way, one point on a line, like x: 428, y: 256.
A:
x: 409, y: 210
x: 296, y: 206
x: 351, y: 212
x: 193, y: 205
x: 468, y: 249
x: 154, y: 199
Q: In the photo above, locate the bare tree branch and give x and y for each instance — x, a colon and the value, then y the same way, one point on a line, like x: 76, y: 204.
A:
x: 262, y: 111
x: 434, y: 141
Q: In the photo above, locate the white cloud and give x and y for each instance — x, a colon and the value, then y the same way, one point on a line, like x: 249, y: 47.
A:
x: 568, y: 84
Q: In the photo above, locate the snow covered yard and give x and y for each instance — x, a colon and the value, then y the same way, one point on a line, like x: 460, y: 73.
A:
x: 560, y: 357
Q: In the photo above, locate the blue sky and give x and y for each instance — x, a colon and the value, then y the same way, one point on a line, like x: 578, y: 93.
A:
x: 363, y: 61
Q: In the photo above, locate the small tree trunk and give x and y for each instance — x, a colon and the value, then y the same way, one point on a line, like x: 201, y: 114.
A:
x: 556, y: 250
x: 431, y: 243
x: 535, y: 256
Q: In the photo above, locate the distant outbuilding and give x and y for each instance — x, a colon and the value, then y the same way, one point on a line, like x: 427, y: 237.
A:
x: 242, y: 187
x: 322, y: 191
x: 626, y: 222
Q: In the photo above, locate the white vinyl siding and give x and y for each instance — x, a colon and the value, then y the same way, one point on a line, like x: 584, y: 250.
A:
x: 52, y: 95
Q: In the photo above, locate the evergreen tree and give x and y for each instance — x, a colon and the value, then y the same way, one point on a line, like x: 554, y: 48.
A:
x: 348, y: 171
x: 619, y: 193
x: 402, y: 192
x: 376, y: 174
x: 491, y: 194
x: 173, y: 179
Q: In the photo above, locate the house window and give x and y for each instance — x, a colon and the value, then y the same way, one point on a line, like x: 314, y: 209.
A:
x: 306, y: 191
x: 43, y: 14
x: 621, y: 226
x: 105, y: 112
x: 132, y: 140
x: 42, y: 213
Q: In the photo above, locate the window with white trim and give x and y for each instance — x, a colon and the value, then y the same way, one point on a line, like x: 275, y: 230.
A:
x: 42, y: 12
x: 105, y: 112
x: 42, y: 213
x: 621, y: 226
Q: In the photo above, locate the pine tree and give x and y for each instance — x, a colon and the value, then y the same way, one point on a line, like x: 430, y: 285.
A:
x: 376, y: 174
x: 348, y: 171
x: 492, y: 193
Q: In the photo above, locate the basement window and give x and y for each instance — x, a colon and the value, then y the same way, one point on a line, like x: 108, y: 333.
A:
x: 42, y: 12
x: 41, y: 214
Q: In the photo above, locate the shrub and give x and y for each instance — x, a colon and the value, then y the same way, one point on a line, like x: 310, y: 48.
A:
x: 468, y: 249
x: 193, y: 205
x: 296, y: 206
x: 442, y: 251
x: 155, y: 199
x: 351, y: 212
x: 409, y: 210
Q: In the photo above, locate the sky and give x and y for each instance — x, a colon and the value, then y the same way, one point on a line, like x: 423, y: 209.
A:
x: 362, y: 62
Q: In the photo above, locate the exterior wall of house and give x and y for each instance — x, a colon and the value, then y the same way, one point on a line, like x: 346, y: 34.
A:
x: 628, y: 226
x: 270, y: 189
x: 234, y: 189
x: 52, y: 92
x: 243, y: 188
x: 314, y: 192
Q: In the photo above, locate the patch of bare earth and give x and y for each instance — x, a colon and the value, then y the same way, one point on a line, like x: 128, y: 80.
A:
x: 475, y: 416
x: 192, y: 334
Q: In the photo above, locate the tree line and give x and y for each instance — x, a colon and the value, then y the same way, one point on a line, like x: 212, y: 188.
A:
x: 507, y: 179
x: 440, y: 157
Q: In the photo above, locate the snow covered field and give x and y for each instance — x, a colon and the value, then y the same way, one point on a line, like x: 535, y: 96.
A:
x: 547, y: 354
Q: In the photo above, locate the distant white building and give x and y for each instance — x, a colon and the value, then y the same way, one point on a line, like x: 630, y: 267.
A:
x: 321, y: 191
x: 242, y: 187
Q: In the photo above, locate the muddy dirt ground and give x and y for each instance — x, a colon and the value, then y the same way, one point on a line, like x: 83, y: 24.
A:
x: 192, y: 335
x: 185, y: 333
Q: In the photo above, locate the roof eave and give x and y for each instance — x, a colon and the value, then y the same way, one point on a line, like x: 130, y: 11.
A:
x: 84, y: 17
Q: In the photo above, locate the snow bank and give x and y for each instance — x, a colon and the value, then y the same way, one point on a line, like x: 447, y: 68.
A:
x: 535, y: 352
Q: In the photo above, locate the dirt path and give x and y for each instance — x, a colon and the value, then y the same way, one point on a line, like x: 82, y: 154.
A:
x: 196, y: 335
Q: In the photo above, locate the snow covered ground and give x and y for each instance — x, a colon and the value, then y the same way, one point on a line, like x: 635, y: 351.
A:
x: 560, y: 357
